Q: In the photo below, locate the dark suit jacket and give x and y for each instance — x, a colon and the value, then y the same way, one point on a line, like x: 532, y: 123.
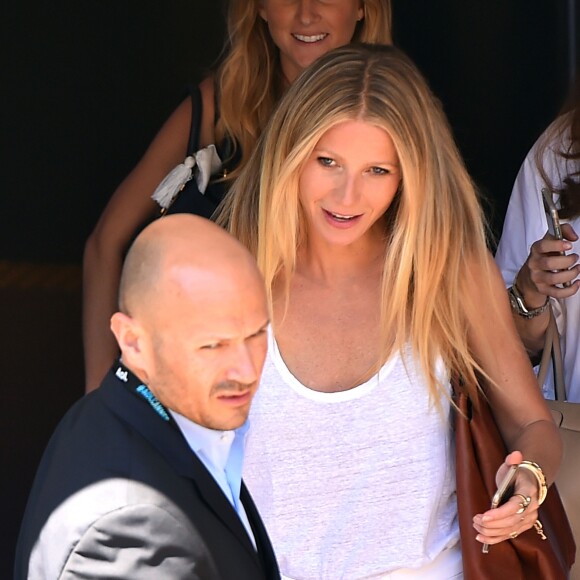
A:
x: 119, y: 494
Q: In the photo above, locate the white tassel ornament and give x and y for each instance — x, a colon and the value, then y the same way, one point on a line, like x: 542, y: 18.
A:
x: 207, y: 161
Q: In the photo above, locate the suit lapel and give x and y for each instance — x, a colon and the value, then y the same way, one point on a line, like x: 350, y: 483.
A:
x: 166, y: 437
x: 265, y: 550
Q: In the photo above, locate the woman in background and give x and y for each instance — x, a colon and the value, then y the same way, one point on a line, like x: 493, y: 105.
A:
x: 531, y: 260
x: 369, y: 234
x: 269, y: 43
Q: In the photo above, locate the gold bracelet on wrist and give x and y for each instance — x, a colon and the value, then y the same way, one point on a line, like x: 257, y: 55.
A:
x: 536, y: 470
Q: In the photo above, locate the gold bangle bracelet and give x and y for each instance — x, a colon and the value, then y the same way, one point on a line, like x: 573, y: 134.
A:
x: 536, y: 470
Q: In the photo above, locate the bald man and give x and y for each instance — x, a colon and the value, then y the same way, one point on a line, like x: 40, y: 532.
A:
x: 142, y: 478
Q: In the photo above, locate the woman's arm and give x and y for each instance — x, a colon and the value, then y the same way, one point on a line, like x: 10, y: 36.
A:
x: 130, y: 207
x: 521, y: 413
x: 540, y: 277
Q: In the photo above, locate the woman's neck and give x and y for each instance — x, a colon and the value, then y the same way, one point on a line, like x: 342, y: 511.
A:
x: 331, y: 265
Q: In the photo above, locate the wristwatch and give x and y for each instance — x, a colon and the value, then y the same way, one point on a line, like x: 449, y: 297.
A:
x: 520, y: 307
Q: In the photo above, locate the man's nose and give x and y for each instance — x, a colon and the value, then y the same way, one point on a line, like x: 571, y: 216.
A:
x: 243, y: 368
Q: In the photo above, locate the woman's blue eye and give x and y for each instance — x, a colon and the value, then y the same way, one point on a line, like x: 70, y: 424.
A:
x: 379, y: 170
x: 326, y: 161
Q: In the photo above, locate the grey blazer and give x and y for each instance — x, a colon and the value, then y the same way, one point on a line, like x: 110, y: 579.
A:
x: 119, y: 494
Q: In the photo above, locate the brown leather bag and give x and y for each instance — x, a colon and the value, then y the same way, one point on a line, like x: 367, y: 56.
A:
x: 480, y: 451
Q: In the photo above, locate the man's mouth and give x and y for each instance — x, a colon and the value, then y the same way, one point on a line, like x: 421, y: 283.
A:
x: 236, y: 398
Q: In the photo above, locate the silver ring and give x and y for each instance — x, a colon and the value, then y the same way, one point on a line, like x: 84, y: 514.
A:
x: 526, y: 501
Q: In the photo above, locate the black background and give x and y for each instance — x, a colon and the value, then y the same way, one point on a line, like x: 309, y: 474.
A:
x: 86, y: 84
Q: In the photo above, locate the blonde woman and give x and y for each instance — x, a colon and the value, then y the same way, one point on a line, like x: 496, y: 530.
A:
x: 269, y: 43
x: 368, y: 231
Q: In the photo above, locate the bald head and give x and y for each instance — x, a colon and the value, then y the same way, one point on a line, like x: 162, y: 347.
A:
x: 176, y: 244
x: 193, y: 319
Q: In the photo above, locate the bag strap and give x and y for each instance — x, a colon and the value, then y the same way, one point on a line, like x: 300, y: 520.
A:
x: 552, y: 353
x: 560, y: 390
x: 196, y: 113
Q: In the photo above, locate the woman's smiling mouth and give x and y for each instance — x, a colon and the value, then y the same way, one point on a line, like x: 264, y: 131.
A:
x: 310, y: 38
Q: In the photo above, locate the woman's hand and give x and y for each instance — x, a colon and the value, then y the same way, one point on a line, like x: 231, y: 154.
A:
x: 515, y: 516
x: 546, y: 269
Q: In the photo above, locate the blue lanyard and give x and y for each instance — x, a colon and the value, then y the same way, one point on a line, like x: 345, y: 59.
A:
x: 124, y: 375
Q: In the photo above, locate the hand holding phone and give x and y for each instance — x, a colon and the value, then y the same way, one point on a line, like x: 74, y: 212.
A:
x: 553, y: 220
x: 503, y: 493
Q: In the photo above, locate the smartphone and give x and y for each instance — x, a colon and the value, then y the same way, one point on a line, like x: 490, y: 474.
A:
x: 551, y: 214
x: 504, y: 487
x: 504, y: 492
x: 553, y: 219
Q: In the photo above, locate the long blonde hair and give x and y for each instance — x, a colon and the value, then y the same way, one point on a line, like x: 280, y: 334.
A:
x: 249, y: 79
x: 434, y: 227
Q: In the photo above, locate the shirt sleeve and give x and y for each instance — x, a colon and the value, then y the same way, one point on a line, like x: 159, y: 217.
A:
x: 525, y: 220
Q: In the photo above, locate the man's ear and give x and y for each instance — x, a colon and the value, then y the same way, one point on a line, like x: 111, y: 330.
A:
x: 132, y: 340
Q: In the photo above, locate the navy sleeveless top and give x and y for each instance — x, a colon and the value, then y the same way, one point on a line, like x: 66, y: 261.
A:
x: 190, y: 199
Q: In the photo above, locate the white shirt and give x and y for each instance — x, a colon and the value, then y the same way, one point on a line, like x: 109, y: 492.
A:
x: 526, y: 223
x: 222, y: 453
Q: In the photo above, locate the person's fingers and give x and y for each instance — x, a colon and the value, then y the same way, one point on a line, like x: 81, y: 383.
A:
x: 495, y: 531
x: 568, y: 232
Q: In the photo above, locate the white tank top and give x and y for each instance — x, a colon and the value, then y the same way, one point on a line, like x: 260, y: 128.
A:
x: 353, y: 484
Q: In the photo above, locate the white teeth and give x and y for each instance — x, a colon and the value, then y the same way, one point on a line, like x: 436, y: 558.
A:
x: 341, y: 217
x: 314, y: 38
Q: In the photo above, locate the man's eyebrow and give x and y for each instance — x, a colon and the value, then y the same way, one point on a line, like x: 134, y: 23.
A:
x: 263, y: 327
x: 214, y: 338
x: 259, y: 329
